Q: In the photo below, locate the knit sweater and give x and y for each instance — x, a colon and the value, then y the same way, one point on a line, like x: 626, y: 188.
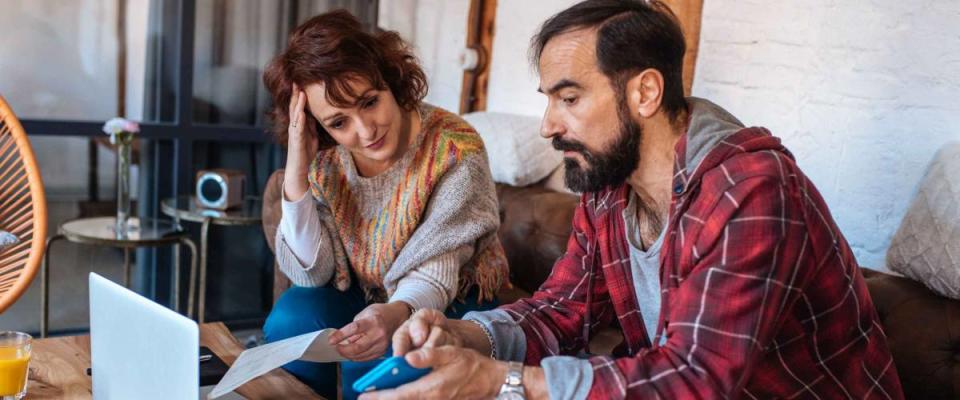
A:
x: 426, y: 224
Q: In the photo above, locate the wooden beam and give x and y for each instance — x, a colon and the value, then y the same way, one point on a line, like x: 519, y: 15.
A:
x: 480, y: 21
x: 487, y: 19
x: 689, y: 13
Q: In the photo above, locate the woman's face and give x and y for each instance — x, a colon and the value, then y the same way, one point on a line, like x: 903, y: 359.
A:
x: 370, y: 129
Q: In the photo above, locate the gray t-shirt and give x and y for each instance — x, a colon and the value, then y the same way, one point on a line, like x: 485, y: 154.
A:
x: 645, y: 268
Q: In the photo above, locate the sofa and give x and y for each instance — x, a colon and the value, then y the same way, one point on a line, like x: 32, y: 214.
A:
x: 923, y: 328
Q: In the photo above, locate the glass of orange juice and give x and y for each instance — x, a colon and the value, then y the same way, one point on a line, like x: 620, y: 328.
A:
x: 14, y: 358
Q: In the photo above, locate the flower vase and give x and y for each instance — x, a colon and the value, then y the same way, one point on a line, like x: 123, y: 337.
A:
x: 124, y: 145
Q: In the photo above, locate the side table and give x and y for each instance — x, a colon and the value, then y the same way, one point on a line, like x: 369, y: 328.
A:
x: 186, y: 208
x: 100, y: 231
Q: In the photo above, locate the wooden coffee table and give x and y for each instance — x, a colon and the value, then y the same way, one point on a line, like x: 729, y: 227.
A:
x: 58, y: 368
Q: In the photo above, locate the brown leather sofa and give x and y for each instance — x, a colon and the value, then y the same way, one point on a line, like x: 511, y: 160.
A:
x: 923, y: 328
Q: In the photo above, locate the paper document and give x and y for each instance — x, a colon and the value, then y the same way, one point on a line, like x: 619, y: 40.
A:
x: 260, y: 360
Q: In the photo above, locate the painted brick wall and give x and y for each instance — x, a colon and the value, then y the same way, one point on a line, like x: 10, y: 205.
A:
x: 863, y: 93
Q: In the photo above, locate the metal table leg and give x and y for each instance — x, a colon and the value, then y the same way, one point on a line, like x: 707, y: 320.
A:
x: 192, y: 286
x: 45, y: 286
x: 204, y: 232
x: 126, y: 267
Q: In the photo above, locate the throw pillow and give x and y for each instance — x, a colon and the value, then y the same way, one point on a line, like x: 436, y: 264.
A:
x: 926, y: 247
x: 518, y: 155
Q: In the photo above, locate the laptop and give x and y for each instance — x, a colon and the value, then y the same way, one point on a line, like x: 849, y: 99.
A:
x: 140, y: 349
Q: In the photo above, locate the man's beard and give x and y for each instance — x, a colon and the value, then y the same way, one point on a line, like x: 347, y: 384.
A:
x: 610, y: 168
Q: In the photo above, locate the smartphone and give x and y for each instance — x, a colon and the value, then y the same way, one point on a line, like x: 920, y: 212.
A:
x: 389, y: 374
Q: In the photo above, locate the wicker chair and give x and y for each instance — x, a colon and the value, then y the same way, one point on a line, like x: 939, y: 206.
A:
x: 23, y: 209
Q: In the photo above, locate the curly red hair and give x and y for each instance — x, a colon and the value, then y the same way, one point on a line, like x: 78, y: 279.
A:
x: 333, y: 49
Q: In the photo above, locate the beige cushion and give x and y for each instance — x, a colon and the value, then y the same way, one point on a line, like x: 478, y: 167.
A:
x: 926, y: 247
x: 518, y: 155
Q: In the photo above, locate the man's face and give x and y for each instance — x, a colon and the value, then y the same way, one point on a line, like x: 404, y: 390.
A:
x: 584, y: 116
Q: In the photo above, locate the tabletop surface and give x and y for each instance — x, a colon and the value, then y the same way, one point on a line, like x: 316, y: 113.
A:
x: 58, y: 368
x: 186, y: 207
x: 103, y: 229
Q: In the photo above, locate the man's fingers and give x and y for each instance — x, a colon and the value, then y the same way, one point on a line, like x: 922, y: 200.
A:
x: 401, y: 340
x: 412, y: 391
x: 432, y: 357
x: 436, y: 339
x: 419, y: 331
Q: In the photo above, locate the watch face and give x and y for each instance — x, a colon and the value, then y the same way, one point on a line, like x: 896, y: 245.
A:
x: 510, y: 396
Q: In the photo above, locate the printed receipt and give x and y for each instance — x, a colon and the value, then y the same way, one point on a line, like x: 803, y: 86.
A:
x: 260, y: 360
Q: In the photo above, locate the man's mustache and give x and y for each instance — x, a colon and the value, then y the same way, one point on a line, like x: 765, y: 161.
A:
x: 563, y: 145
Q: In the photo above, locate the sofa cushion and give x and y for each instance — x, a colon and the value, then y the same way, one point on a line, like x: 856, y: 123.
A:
x: 535, y: 225
x: 926, y: 247
x: 923, y: 333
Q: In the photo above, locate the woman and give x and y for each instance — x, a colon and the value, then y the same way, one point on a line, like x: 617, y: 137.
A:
x: 402, y: 211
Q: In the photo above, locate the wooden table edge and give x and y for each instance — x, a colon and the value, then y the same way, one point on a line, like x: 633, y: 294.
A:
x: 66, y: 358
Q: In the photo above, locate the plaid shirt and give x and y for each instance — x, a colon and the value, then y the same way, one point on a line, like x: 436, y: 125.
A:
x: 761, y: 295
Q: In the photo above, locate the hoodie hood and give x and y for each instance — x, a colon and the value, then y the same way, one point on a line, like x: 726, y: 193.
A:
x: 714, y: 136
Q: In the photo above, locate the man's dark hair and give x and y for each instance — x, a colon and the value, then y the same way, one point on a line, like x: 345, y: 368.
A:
x: 632, y: 36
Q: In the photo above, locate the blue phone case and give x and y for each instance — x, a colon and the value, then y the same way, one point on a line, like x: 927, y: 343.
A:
x: 389, y: 374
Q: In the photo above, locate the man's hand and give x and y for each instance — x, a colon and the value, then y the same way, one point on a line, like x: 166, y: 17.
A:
x: 366, y: 338
x: 458, y: 373
x: 427, y: 328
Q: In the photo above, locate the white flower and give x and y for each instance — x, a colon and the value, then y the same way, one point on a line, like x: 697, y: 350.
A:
x: 118, y: 125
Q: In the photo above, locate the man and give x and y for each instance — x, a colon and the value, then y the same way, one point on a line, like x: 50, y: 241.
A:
x: 700, y: 238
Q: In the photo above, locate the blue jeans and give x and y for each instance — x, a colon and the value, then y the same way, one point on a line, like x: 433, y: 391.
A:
x: 302, y: 310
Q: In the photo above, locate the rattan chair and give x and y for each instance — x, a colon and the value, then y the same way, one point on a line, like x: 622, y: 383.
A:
x: 23, y: 209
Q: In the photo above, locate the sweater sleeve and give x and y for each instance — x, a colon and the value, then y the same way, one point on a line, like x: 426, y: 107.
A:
x: 434, y: 283
x: 304, y: 245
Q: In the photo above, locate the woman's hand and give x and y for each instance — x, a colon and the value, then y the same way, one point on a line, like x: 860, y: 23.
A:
x: 302, y: 146
x: 368, y: 336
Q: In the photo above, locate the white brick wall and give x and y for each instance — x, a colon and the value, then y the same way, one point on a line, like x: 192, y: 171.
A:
x: 863, y: 92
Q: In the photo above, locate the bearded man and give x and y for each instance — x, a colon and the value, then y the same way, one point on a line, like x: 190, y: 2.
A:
x: 699, y: 238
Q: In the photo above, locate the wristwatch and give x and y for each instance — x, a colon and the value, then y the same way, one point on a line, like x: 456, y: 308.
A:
x: 512, y: 388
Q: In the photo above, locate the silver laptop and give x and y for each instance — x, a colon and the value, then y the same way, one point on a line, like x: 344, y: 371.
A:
x: 140, y: 349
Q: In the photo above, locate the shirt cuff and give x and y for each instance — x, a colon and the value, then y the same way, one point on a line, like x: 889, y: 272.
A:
x: 568, y: 378
x: 510, y: 343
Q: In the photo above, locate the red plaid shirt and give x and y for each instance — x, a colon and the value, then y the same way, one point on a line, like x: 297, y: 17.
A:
x: 761, y: 295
